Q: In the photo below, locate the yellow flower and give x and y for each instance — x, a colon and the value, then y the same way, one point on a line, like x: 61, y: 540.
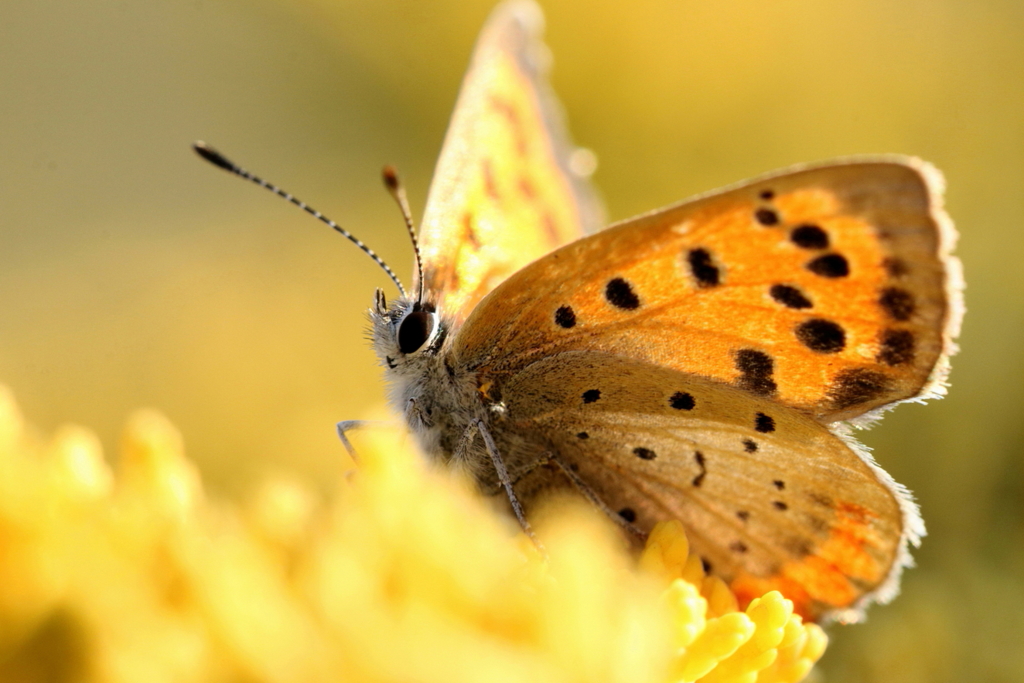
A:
x: 405, y: 575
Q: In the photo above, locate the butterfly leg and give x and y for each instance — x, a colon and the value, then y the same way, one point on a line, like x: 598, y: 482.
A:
x: 592, y: 496
x: 414, y: 413
x: 346, y: 426
x: 477, y: 426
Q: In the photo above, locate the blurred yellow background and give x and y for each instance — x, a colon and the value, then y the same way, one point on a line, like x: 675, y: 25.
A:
x: 132, y: 274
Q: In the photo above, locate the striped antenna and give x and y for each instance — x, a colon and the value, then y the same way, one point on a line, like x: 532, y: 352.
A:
x: 217, y: 159
x: 394, y: 186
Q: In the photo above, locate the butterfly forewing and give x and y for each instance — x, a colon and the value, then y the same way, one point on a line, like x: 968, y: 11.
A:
x: 825, y: 289
x: 503, y: 194
x: 770, y: 498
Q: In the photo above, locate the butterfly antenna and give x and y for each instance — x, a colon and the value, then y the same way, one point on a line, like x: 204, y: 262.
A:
x: 397, y: 191
x: 217, y: 159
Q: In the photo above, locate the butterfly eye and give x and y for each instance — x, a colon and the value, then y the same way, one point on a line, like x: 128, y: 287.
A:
x: 414, y: 331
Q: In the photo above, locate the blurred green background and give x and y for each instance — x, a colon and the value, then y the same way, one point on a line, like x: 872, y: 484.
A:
x: 132, y: 274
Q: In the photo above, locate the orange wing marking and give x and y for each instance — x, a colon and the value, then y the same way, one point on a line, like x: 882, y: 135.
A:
x: 469, y: 234
x: 489, y: 183
x: 508, y: 110
x: 829, y: 575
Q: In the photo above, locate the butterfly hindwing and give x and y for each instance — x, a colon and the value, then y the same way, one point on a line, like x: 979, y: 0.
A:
x: 503, y: 193
x: 770, y: 498
x: 829, y: 289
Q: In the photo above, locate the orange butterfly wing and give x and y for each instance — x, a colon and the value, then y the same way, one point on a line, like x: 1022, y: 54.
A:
x: 828, y: 289
x: 683, y: 362
x: 503, y: 194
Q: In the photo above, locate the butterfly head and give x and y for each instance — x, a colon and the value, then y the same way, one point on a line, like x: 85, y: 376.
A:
x: 406, y: 332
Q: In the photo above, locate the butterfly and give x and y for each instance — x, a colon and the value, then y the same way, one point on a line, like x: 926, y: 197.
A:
x: 702, y: 362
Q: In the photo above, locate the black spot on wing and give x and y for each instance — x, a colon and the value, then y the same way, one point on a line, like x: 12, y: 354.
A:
x: 620, y: 294
x: 896, y: 267
x: 897, y: 303
x: 809, y: 237
x: 823, y: 336
x: 565, y: 317
x: 628, y: 514
x: 857, y: 385
x: 644, y: 453
x: 896, y: 347
x: 766, y: 217
x: 681, y: 401
x: 789, y: 296
x: 764, y: 423
x: 830, y: 266
x: 582, y: 435
x: 779, y: 505
x: 756, y: 368
x: 698, y: 457
x: 591, y: 395
x: 705, y: 272
x: 749, y: 445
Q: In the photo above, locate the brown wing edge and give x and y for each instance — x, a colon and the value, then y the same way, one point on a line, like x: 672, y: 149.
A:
x: 912, y: 533
x: 937, y: 384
